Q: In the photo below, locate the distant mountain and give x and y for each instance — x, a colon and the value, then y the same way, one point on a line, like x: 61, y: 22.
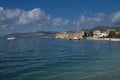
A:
x: 103, y: 28
x: 39, y: 34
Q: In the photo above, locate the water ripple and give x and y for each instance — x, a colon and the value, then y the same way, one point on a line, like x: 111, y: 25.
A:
x: 50, y: 59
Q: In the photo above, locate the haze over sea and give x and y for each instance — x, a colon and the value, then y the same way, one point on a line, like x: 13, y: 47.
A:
x: 52, y: 59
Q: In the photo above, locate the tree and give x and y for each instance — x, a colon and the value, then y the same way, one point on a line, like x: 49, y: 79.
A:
x: 111, y: 34
x: 117, y: 36
x: 91, y: 33
x: 85, y: 34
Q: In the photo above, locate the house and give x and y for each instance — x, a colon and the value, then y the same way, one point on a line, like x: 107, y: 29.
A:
x: 99, y: 34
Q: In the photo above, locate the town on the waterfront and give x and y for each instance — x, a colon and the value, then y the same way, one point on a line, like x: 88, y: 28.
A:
x: 96, y: 33
x: 108, y: 34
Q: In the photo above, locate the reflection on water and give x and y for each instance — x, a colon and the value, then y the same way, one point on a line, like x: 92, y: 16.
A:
x: 51, y: 59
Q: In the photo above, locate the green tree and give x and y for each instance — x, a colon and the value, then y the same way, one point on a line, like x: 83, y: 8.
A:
x: 111, y: 34
x: 85, y: 34
x: 117, y: 36
x: 91, y: 33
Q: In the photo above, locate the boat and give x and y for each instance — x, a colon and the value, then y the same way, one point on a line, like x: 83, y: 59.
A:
x: 10, y: 38
x: 74, y: 38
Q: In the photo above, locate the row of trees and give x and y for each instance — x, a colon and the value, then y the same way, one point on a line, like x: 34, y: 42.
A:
x: 112, y: 34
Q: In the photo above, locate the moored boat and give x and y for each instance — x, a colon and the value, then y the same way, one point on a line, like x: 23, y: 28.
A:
x: 74, y: 38
x: 10, y: 38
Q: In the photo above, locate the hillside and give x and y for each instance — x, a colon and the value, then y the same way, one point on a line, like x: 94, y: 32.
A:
x: 103, y: 28
x: 39, y: 34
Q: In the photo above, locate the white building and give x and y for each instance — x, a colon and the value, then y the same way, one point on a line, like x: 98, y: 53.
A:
x: 99, y: 34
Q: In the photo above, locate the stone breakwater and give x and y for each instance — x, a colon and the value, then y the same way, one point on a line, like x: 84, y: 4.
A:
x: 106, y: 39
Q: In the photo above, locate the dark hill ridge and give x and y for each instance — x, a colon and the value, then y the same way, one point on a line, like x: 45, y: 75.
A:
x: 39, y: 34
x: 103, y: 28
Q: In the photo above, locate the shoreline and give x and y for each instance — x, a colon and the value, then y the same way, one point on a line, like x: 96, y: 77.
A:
x: 106, y: 39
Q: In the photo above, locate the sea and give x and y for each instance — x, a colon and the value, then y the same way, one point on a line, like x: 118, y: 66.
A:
x: 54, y: 59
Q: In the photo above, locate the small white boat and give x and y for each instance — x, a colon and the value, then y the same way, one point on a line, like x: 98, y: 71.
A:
x: 10, y: 38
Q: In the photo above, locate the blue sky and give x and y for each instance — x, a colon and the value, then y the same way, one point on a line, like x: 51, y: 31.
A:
x: 56, y: 15
x: 65, y: 8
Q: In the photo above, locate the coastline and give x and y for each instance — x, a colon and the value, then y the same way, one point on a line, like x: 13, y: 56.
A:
x: 106, y: 39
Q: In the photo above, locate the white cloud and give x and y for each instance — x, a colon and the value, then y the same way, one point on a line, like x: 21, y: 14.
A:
x: 2, y: 16
x: 15, y: 18
x: 34, y: 16
x: 91, y: 20
x: 38, y: 18
x: 18, y: 17
x: 116, y: 18
x: 12, y: 14
x: 60, y: 22
x: 88, y: 22
x: 100, y: 15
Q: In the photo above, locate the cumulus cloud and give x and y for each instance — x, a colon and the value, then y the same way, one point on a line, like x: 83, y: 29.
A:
x: 33, y: 16
x: 60, y: 22
x: 13, y: 14
x: 100, y: 14
x: 15, y: 18
x: 115, y: 18
x: 37, y: 18
x: 2, y: 16
x: 18, y: 17
x: 88, y: 22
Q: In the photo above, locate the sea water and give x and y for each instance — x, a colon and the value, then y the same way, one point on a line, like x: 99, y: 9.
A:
x: 52, y: 59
